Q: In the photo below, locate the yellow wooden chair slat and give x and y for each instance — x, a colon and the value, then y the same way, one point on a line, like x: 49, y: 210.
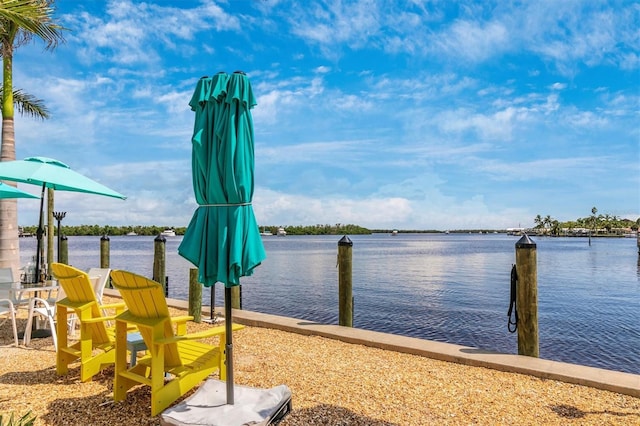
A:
x: 96, y: 346
x: 175, y: 362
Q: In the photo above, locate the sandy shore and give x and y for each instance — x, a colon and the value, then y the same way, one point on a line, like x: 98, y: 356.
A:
x: 332, y: 383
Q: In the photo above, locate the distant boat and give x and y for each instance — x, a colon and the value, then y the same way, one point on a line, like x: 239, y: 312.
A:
x: 131, y: 234
x: 266, y: 233
x: 282, y: 232
x: 394, y: 232
x: 168, y: 233
x: 21, y: 233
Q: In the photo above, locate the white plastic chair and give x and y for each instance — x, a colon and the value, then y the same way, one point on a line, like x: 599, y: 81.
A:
x: 99, y: 284
x: 46, y: 309
x: 7, y: 308
x: 10, y: 289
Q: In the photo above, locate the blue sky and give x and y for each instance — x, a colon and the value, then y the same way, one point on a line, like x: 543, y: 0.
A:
x: 386, y: 114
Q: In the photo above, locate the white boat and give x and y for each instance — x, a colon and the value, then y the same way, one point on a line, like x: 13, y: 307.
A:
x: 131, y: 234
x: 282, y: 232
x: 168, y: 233
x: 394, y: 233
x: 265, y: 233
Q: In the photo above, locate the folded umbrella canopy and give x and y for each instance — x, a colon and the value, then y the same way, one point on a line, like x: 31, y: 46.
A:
x: 50, y: 173
x: 223, y: 239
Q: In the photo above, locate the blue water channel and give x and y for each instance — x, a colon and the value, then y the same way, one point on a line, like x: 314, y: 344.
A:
x: 444, y: 287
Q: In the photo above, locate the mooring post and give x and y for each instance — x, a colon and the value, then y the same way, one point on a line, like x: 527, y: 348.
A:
x: 104, y: 251
x: 236, y: 297
x: 345, y: 293
x: 159, y: 273
x: 527, y: 297
x: 195, y: 295
x: 64, y: 250
x: 638, y: 240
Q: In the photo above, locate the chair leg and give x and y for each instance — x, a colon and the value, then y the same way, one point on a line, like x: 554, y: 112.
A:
x: 52, y: 324
x: 27, y: 330
x: 15, y: 328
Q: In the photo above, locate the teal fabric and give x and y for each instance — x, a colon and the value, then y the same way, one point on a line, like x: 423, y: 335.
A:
x: 8, y: 191
x: 53, y: 174
x: 223, y: 239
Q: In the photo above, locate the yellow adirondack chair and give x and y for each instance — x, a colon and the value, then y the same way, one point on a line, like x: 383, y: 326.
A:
x: 96, y: 347
x: 175, y: 362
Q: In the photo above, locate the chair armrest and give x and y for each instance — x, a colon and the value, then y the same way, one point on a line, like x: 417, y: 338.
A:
x: 216, y: 331
x: 117, y: 307
x: 112, y: 305
x: 45, y: 302
x: 99, y: 319
x: 181, y: 319
x: 9, y: 302
x: 181, y: 324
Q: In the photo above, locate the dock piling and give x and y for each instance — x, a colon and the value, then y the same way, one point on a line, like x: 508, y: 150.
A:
x: 104, y: 251
x: 527, y: 297
x: 159, y: 262
x: 195, y: 296
x: 345, y: 286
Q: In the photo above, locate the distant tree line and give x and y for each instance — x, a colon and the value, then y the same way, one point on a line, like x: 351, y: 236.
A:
x: 97, y: 230
x: 595, y: 223
x: 337, y: 229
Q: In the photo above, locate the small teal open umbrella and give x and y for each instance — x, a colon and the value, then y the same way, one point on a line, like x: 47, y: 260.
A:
x: 8, y: 191
x: 50, y: 173
x: 223, y: 239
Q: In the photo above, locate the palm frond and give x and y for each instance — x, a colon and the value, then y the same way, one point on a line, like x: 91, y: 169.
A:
x: 28, y: 105
x: 32, y: 16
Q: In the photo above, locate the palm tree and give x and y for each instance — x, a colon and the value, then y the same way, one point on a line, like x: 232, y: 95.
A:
x: 538, y: 221
x: 20, y: 21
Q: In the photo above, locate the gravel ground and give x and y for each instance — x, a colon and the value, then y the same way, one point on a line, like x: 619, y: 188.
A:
x: 332, y: 383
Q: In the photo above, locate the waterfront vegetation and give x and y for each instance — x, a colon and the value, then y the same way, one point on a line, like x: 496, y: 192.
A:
x: 594, y: 225
x: 91, y: 230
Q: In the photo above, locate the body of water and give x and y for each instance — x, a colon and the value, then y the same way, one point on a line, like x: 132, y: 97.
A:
x: 445, y: 287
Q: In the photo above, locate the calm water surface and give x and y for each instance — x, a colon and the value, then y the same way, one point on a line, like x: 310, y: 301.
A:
x: 450, y: 288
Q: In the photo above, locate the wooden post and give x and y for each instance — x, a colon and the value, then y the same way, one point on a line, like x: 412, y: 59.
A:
x: 527, y: 297
x: 195, y: 295
x: 345, y: 294
x: 64, y: 250
x: 159, y: 273
x: 104, y: 252
x: 50, y: 232
x: 236, y: 297
x: 638, y: 240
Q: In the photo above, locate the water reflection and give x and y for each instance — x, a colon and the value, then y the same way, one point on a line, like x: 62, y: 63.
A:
x: 452, y: 288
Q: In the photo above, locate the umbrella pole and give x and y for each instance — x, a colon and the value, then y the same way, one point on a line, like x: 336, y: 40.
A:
x: 213, y: 303
x: 39, y: 235
x: 229, y: 343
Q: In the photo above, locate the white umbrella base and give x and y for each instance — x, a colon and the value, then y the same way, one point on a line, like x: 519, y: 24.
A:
x: 208, y: 406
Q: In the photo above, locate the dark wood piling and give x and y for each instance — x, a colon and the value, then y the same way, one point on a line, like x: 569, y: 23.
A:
x: 159, y: 262
x: 195, y: 296
x: 345, y: 293
x: 104, y: 251
x: 236, y: 297
x: 63, y: 256
x: 527, y: 297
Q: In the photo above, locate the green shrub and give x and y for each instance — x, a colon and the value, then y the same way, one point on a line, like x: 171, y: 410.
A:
x: 26, y: 420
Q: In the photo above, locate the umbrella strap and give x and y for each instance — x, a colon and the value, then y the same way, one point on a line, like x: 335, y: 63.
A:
x: 224, y: 205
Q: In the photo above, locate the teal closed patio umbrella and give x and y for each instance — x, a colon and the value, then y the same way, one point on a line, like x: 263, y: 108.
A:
x: 223, y: 238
